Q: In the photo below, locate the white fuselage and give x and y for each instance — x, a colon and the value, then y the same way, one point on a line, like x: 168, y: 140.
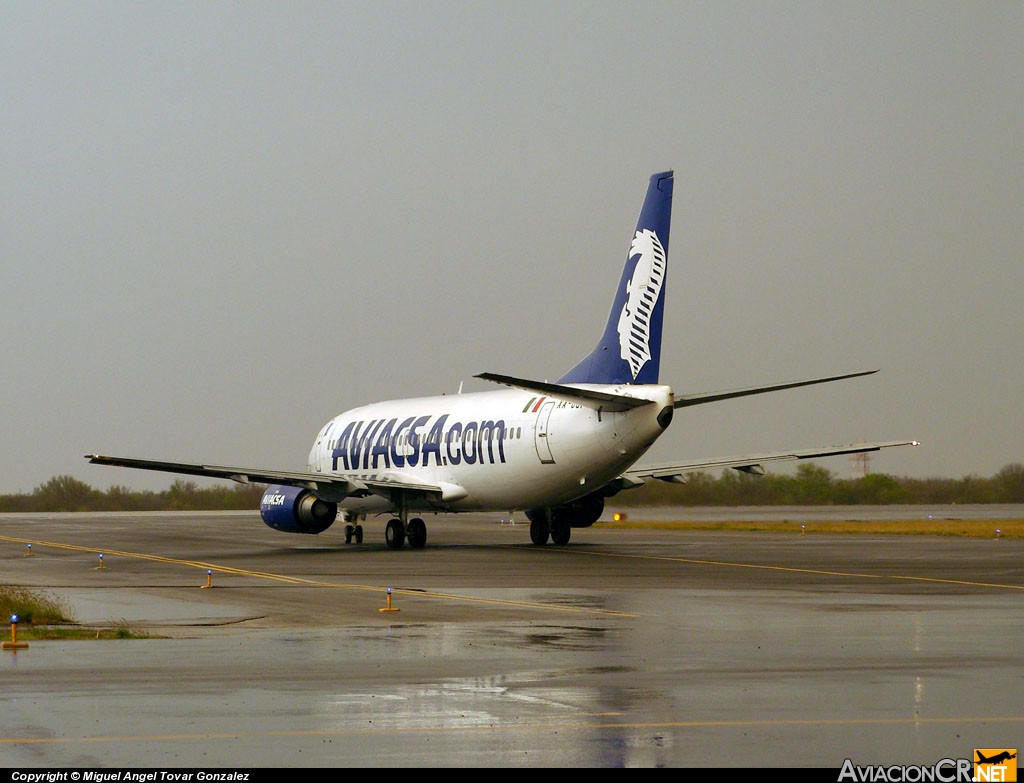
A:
x: 495, y: 450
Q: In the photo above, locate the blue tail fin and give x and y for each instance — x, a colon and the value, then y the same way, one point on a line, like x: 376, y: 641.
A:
x: 630, y: 348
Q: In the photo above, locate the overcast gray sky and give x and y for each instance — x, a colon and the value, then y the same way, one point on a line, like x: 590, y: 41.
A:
x: 224, y: 223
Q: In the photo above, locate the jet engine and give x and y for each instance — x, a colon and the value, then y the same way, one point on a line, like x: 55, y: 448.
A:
x: 296, y: 510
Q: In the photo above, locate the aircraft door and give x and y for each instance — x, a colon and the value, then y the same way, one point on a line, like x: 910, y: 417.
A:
x: 541, y: 436
x: 319, y: 453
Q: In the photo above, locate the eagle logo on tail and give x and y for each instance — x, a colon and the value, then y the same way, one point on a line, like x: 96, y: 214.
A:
x: 642, y: 293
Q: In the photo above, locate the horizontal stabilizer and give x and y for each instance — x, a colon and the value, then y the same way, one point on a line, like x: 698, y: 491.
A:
x: 683, y: 401
x: 590, y: 398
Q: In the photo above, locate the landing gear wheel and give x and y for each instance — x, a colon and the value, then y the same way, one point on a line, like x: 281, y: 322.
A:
x: 394, y: 534
x: 417, y: 533
x: 349, y: 530
x: 539, y: 531
x: 358, y: 533
x: 560, y: 534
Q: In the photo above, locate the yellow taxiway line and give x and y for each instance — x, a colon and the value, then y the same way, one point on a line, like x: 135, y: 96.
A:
x: 296, y: 580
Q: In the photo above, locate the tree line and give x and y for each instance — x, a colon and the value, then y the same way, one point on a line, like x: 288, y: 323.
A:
x: 66, y: 493
x: 811, y: 485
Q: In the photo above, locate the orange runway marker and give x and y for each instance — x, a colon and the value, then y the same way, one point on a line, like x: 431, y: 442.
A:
x: 389, y: 608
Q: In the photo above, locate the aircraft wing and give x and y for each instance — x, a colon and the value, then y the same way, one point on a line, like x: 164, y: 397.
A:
x: 330, y: 487
x: 749, y: 463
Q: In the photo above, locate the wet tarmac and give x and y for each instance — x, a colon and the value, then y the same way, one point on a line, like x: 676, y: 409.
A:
x: 626, y: 648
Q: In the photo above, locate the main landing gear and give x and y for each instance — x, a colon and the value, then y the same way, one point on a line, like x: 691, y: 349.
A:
x: 540, y: 531
x: 557, y: 523
x: 395, y: 534
x: 560, y: 534
x: 541, y: 528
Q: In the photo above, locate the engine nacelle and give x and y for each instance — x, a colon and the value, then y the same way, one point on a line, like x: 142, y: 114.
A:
x: 296, y: 510
x: 582, y: 512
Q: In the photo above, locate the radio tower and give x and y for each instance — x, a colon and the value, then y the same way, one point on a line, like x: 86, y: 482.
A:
x: 859, y: 465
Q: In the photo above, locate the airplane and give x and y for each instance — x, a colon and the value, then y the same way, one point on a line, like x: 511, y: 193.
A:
x: 996, y: 759
x: 555, y: 451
